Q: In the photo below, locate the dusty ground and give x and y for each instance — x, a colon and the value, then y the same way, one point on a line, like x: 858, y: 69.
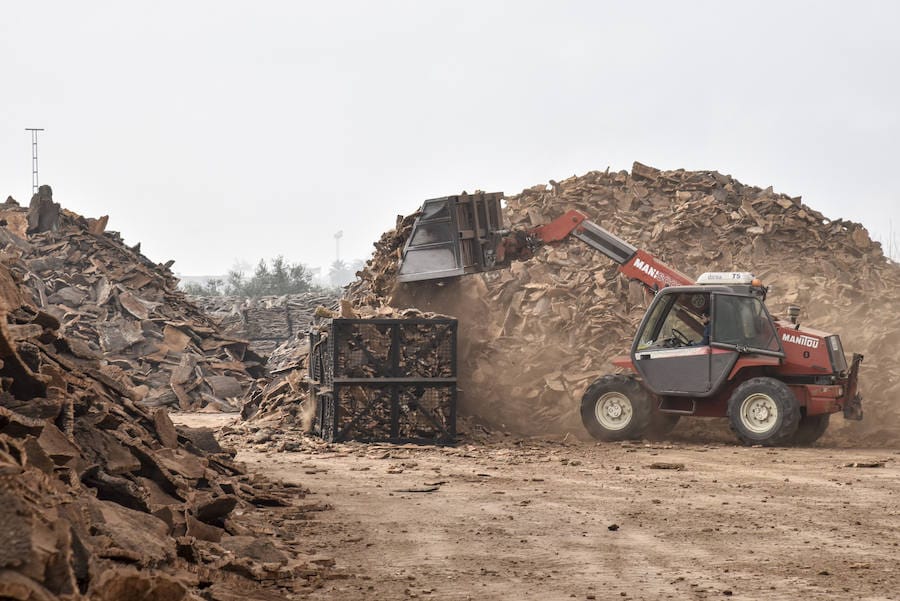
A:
x: 540, y: 519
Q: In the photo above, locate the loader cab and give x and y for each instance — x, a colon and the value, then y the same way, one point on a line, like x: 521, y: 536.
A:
x: 676, y: 354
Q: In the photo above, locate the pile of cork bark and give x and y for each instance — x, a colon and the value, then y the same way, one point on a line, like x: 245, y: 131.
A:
x: 284, y: 399
x: 115, y: 305
x: 534, y: 336
x: 102, y: 498
x: 266, y: 322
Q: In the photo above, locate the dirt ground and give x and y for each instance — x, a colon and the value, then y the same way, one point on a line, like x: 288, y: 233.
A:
x: 544, y: 519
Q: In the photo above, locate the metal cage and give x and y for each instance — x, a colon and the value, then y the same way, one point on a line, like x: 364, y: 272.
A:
x: 385, y: 380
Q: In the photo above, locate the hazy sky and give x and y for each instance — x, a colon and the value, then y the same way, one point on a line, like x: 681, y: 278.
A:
x: 218, y: 131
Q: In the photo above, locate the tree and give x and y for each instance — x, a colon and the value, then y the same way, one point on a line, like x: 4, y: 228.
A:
x: 279, y: 278
x: 339, y: 274
x: 212, y: 287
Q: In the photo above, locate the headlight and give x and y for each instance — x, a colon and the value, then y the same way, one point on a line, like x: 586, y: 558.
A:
x: 836, y: 352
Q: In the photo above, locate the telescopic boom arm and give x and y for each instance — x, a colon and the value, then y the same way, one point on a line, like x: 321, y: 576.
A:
x: 633, y: 263
x: 456, y: 235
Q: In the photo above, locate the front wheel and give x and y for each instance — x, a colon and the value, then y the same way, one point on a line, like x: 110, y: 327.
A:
x: 616, y: 408
x: 764, y: 411
x: 811, y: 429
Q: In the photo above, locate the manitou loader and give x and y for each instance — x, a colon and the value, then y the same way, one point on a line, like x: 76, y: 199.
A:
x: 706, y: 347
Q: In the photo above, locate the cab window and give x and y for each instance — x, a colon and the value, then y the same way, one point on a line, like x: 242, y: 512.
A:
x: 676, y: 321
x: 743, y: 321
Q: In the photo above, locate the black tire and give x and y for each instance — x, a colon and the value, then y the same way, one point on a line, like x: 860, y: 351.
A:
x: 811, y: 429
x: 764, y: 411
x: 616, y: 408
x: 661, y: 425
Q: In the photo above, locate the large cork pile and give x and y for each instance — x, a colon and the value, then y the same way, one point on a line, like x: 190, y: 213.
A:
x: 101, y: 496
x: 115, y: 305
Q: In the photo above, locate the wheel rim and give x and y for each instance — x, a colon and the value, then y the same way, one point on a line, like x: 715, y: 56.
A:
x: 759, y: 413
x: 613, y: 411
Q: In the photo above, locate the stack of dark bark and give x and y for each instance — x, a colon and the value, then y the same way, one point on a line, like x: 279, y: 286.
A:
x: 115, y: 305
x: 535, y: 335
x: 100, y: 498
x: 265, y: 322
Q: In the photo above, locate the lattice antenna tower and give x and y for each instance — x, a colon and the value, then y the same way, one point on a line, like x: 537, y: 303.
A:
x: 34, y: 157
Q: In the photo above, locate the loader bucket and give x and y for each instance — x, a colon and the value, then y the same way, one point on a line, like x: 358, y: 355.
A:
x: 452, y: 236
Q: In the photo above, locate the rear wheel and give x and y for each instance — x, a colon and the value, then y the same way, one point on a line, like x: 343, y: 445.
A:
x: 764, y: 411
x: 811, y: 429
x: 616, y: 408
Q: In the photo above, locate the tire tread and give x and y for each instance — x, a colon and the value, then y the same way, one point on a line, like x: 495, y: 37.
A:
x: 640, y: 402
x: 789, y: 409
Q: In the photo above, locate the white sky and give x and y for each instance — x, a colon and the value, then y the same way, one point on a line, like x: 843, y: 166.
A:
x: 220, y: 131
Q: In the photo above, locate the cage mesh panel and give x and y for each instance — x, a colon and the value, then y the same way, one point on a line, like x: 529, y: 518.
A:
x: 424, y: 412
x: 366, y: 411
x: 363, y: 350
x: 426, y: 350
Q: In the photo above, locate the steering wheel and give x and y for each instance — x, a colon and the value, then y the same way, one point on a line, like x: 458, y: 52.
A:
x: 684, y: 340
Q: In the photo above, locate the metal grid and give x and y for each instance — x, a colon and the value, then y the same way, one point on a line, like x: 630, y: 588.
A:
x: 385, y: 379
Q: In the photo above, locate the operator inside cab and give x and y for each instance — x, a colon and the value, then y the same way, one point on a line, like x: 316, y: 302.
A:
x: 707, y: 328
x: 683, y: 321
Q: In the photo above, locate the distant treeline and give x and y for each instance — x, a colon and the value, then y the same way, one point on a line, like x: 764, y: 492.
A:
x: 275, y: 277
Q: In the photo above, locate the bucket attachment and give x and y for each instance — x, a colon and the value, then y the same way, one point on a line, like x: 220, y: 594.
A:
x: 453, y: 236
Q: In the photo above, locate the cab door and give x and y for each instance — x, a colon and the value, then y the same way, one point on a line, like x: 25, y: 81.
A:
x: 668, y: 351
x: 741, y: 325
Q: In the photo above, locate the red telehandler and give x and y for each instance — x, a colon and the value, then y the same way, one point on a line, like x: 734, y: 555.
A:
x: 705, y: 347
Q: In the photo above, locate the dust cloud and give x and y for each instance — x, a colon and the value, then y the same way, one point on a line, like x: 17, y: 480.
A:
x: 503, y: 405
